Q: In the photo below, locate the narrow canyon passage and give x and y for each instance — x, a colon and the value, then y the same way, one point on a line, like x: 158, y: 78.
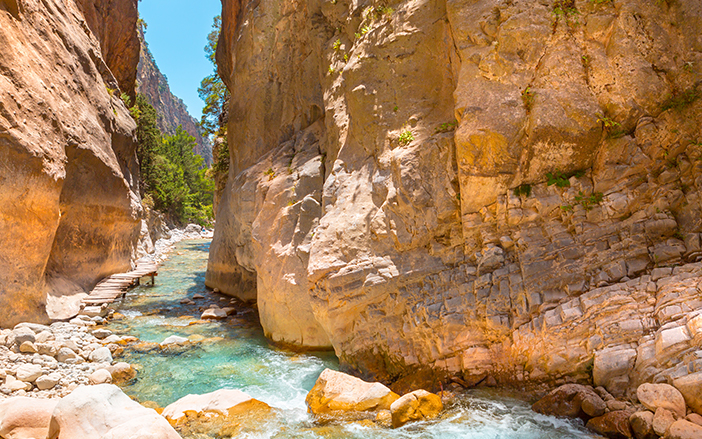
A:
x: 234, y: 354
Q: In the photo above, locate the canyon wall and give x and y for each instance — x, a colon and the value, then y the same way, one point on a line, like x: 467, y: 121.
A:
x: 68, y: 171
x: 171, y: 110
x: 466, y: 188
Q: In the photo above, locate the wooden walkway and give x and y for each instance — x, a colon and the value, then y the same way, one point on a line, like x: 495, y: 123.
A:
x: 115, y: 287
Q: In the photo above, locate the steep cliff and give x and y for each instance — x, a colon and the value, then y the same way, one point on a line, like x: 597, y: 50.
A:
x: 171, y: 109
x: 68, y: 170
x: 465, y: 188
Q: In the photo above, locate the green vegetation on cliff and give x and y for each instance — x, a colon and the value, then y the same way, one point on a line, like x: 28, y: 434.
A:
x: 173, y: 177
x: 214, y: 115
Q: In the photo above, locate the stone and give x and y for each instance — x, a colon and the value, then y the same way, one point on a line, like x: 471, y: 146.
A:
x: 418, y: 405
x: 642, y: 425
x: 23, y: 334
x: 101, y: 355
x: 49, y: 381
x: 662, y: 420
x: 653, y: 396
x: 121, y: 372
x: 27, y: 347
x: 682, y: 429
x: 336, y: 391
x: 214, y: 313
x: 174, y: 340
x: 690, y: 386
x: 614, y: 425
x: 610, y: 365
x: 65, y: 355
x: 571, y: 400
x: 28, y: 372
x: 24, y: 418
x: 694, y: 418
x: 14, y: 384
x: 47, y: 349
x: 100, y: 376
x: 101, y: 333
x: 104, y: 411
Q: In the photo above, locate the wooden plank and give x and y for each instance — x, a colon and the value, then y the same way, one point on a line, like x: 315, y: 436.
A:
x: 115, y: 286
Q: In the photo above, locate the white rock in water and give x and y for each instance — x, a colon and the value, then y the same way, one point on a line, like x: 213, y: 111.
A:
x: 101, y: 355
x: 218, y: 401
x: 174, y: 339
x: 214, y: 313
x: 28, y: 372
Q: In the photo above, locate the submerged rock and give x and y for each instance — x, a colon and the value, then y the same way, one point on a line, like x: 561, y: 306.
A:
x: 419, y: 405
x: 337, y: 391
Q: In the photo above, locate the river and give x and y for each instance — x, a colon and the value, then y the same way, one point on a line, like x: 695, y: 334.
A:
x: 233, y: 353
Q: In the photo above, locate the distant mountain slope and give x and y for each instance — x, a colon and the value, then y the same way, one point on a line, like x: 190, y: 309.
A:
x: 171, y: 109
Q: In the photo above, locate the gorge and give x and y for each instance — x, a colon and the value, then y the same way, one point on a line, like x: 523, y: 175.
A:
x: 444, y: 193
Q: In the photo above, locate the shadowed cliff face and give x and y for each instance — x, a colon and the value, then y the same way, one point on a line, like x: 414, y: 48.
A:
x: 435, y: 185
x: 68, y: 171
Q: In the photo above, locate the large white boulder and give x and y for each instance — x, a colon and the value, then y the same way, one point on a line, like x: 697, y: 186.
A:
x: 219, y: 402
x: 337, y: 391
x: 105, y: 412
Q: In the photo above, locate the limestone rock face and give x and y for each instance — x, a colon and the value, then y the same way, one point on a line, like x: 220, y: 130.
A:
x: 471, y: 188
x: 68, y: 169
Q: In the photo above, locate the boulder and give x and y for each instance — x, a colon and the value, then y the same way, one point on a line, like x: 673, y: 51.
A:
x: 572, y: 401
x: 101, y: 355
x: 22, y: 417
x: 690, y: 386
x: 337, y: 391
x: 27, y: 347
x: 28, y: 372
x: 614, y: 425
x: 46, y: 382
x: 662, y: 419
x: 682, y: 429
x: 105, y: 412
x: 653, y: 396
x: 218, y: 402
x: 419, y: 405
x: 642, y: 425
x: 100, y: 376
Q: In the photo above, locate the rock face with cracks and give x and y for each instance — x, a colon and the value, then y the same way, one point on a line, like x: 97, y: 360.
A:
x: 471, y: 189
x: 68, y: 168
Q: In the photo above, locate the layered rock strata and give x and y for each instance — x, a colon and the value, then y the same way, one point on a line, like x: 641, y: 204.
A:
x: 476, y: 189
x: 68, y: 170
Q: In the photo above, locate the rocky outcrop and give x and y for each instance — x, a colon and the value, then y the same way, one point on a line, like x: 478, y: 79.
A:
x: 68, y: 169
x: 114, y: 24
x: 476, y: 188
x: 171, y: 110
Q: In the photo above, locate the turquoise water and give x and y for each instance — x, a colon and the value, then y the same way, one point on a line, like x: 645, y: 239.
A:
x: 234, y: 354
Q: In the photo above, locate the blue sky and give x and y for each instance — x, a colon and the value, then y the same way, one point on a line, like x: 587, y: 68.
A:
x: 177, y: 34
